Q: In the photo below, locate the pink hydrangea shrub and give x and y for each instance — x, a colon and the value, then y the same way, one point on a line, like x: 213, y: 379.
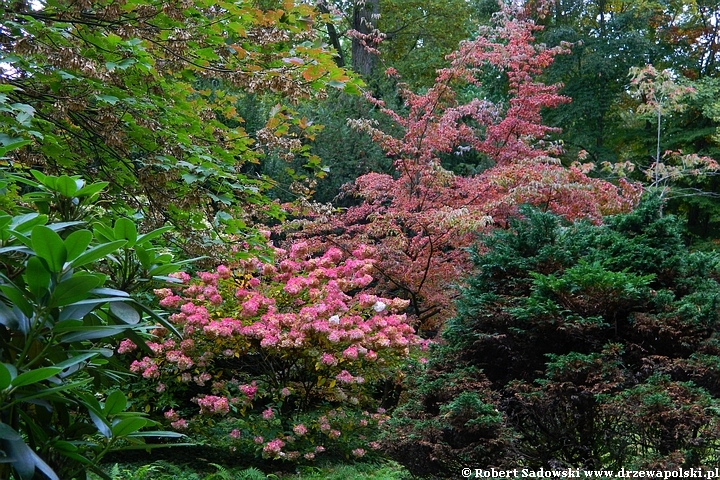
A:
x: 289, y: 351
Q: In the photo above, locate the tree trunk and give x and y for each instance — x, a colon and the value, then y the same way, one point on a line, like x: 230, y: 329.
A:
x: 365, y: 15
x: 334, y: 36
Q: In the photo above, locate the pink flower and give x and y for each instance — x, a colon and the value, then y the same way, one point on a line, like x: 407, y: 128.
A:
x: 211, y: 404
x: 268, y: 413
x: 294, y: 285
x: 358, y: 452
x: 273, y: 447
x: 182, y: 276
x: 300, y: 430
x: 151, y: 372
x: 180, y: 424
x: 285, y: 392
x: 334, y: 434
x: 328, y: 359
x: 351, y: 352
x: 223, y: 271
x: 345, y: 377
x: 259, y: 440
x: 208, y: 278
x: 249, y: 390
x: 235, y: 434
x: 126, y: 346
x: 171, y: 415
x: 319, y: 449
x: 391, y: 72
x: 309, y: 456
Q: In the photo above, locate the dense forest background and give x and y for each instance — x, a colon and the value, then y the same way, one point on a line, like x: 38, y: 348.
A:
x: 448, y: 233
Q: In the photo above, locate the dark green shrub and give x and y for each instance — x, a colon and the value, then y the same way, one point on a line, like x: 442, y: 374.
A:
x: 575, y: 345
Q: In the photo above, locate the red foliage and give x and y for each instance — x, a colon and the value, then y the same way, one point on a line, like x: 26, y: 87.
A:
x: 421, y: 219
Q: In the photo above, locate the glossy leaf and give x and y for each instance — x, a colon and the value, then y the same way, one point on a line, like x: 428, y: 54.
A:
x: 96, y: 253
x: 50, y: 247
x: 127, y: 426
x: 125, y: 229
x: 125, y: 312
x: 37, y: 277
x: 74, y: 289
x: 77, y: 242
x: 35, y: 376
x: 5, y: 377
x: 115, y: 403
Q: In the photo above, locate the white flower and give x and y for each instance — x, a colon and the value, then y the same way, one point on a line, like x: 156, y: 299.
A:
x: 334, y: 320
x: 379, y: 306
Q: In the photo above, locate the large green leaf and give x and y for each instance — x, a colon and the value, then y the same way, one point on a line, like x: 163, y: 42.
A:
x: 115, y: 403
x: 8, y: 317
x: 126, y: 229
x: 75, y: 288
x: 97, y: 252
x: 100, y: 422
x: 5, y: 377
x: 125, y: 312
x: 68, y: 186
x: 75, y: 360
x: 127, y: 426
x: 37, y: 277
x: 35, y: 376
x: 77, y: 242
x: 146, y: 237
x: 50, y: 247
x: 80, y: 333
x: 16, y: 296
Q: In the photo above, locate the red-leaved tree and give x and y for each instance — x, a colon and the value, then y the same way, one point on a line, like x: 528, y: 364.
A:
x: 421, y: 218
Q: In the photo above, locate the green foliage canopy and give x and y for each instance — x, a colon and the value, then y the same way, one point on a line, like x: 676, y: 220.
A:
x: 122, y: 91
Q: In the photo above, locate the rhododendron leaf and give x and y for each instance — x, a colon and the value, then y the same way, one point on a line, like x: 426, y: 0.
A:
x: 24, y: 460
x: 125, y: 312
x: 125, y: 229
x: 127, y: 426
x: 37, y: 277
x: 100, y: 423
x: 157, y: 433
x: 115, y: 403
x: 50, y: 247
x: 66, y: 185
x: 83, y: 332
x: 75, y: 288
x: 77, y: 242
x: 146, y: 237
x: 92, y: 189
x: 96, y: 253
x: 5, y: 377
x: 75, y: 360
x: 35, y: 376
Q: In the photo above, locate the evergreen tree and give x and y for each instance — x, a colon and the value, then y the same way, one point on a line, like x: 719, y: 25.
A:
x: 574, y: 345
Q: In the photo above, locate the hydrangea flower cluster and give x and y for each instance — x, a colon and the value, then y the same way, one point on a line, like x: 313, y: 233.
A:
x: 288, y: 353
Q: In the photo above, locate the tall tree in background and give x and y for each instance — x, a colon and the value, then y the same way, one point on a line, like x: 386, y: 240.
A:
x: 411, y: 35
x: 423, y: 216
